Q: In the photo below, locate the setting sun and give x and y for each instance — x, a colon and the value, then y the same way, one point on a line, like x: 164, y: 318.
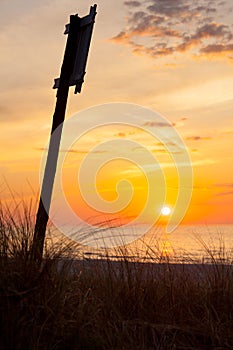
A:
x: 165, y: 211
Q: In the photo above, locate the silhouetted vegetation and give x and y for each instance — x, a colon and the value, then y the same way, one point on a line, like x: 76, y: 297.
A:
x: 102, y: 304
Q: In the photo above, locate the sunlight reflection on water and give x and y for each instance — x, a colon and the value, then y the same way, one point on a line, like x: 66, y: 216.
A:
x: 185, y: 244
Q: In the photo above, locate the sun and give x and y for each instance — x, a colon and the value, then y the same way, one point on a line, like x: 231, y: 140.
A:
x: 165, y: 211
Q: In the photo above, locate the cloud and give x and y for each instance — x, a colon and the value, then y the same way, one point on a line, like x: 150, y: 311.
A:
x: 224, y: 185
x: 158, y: 150
x: 217, y: 49
x: 122, y: 37
x: 180, y: 122
x: 224, y: 193
x: 210, y: 30
x: 150, y: 168
x: 132, y: 3
x: 174, y: 27
x: 156, y: 124
x: 70, y: 150
x: 197, y: 138
x: 169, y: 8
x: 212, y: 187
x: 120, y: 134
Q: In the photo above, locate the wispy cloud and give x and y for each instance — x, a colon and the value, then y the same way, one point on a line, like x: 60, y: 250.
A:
x: 150, y: 168
x: 180, y: 122
x: 197, y: 138
x: 156, y: 124
x: 226, y: 189
x: 158, y: 150
x: 132, y: 3
x: 227, y: 193
x: 224, y: 185
x: 120, y: 134
x: 176, y: 27
x: 71, y: 150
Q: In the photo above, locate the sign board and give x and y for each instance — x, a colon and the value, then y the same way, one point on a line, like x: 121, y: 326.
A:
x: 84, y: 28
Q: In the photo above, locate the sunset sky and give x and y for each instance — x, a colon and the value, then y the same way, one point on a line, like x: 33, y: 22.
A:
x: 172, y: 57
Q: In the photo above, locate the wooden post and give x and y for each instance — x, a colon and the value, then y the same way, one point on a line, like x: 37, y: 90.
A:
x: 53, y: 151
x: 71, y: 56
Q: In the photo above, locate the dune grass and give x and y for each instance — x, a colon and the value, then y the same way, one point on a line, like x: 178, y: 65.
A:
x: 102, y: 304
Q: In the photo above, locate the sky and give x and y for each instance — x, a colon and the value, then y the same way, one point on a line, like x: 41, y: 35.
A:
x: 172, y: 57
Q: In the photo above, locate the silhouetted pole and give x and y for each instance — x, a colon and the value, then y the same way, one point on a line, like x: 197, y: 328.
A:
x: 72, y: 72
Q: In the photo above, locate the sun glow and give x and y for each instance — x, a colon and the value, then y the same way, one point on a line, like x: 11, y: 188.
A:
x: 165, y: 211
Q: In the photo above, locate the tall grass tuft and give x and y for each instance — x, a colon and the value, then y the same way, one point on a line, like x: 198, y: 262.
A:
x: 77, y: 303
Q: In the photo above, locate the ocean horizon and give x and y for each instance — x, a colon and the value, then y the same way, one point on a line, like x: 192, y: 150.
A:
x: 187, y: 243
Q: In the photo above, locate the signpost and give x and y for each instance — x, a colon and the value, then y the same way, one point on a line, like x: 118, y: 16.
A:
x: 79, y: 32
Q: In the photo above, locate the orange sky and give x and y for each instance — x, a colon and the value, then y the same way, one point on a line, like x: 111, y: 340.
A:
x: 173, y: 57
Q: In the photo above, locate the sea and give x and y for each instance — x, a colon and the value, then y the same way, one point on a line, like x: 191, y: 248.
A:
x: 186, y: 244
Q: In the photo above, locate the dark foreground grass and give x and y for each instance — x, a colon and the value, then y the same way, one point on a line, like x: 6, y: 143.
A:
x: 101, y: 304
